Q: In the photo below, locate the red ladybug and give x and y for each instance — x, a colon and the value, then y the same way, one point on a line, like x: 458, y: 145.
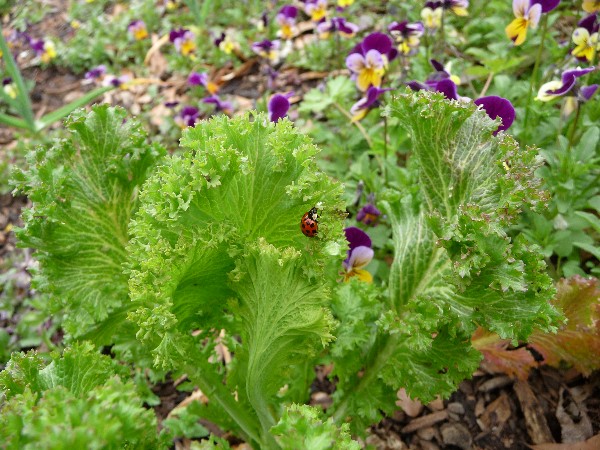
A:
x: 309, y: 224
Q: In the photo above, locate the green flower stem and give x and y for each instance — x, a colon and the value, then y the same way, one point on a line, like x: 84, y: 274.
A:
x: 574, y: 126
x: 24, y: 101
x: 357, y: 123
x: 372, y: 369
x: 536, y: 66
x: 385, y: 150
x: 216, y: 392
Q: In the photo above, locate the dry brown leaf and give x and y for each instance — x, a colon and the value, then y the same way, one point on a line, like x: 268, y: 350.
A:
x: 592, y: 443
x: 573, y: 418
x: 411, y: 407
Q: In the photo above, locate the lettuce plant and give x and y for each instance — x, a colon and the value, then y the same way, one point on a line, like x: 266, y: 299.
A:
x: 210, y: 253
x: 79, y: 400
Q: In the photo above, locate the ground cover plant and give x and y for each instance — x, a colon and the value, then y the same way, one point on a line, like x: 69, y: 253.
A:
x: 378, y: 199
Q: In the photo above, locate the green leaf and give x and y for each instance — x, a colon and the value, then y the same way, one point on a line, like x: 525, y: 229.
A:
x: 84, y: 192
x: 302, y: 427
x: 79, y: 400
x: 216, y: 244
x: 454, y: 266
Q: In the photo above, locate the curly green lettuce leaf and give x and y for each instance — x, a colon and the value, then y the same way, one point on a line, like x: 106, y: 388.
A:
x: 216, y: 245
x: 301, y: 427
x: 84, y: 192
x: 80, y: 400
x: 455, y: 265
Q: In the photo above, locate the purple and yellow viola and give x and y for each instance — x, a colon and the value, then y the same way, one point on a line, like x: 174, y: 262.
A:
x: 568, y: 84
x: 286, y: 19
x: 137, y: 30
x: 336, y: 25
x: 368, y: 60
x: 585, y: 38
x: 371, y: 100
x: 183, y: 40
x: 407, y: 36
x: 360, y: 254
x: 527, y: 15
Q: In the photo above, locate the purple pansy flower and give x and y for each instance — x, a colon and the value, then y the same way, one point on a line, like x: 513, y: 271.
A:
x: 95, y: 73
x: 316, y: 9
x: 220, y: 105
x: 585, y: 38
x: 286, y: 18
x: 37, y: 45
x: 360, y: 254
x: 368, y: 60
x: 197, y: 79
x: 183, y: 40
x: 268, y: 49
x: 279, y: 106
x: 137, y: 30
x: 567, y: 84
x: 407, y: 35
x: 114, y: 81
x: 458, y: 7
x: 368, y: 214
x: 187, y: 117
x: 337, y: 24
x: 371, y: 100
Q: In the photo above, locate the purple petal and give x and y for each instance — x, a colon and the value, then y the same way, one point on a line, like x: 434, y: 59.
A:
x: 359, y: 257
x: 586, y: 92
x: 417, y: 86
x: 278, y: 107
x: 377, y: 41
x: 355, y: 62
x: 495, y: 107
x: 357, y: 237
x: 568, y: 75
x: 547, y: 5
x: 448, y: 88
x: 197, y: 79
x: 289, y: 11
x: 588, y: 22
x: 438, y: 66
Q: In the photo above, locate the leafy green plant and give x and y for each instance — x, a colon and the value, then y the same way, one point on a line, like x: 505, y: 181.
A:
x: 81, y: 399
x: 210, y: 253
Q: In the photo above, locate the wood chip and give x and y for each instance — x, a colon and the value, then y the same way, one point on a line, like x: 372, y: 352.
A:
x: 425, y: 421
x: 575, y: 423
x: 457, y: 435
x: 495, y: 383
x: 536, y: 424
x: 496, y: 414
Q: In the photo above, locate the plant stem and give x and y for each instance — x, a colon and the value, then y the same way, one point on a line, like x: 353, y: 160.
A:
x: 536, y: 66
x: 574, y: 127
x: 216, y: 392
x: 385, y: 150
x: 12, y: 69
x: 487, y: 84
x: 356, y: 122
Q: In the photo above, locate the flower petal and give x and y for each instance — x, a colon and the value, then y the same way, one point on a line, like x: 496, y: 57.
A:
x: 360, y: 257
x: 377, y: 41
x: 278, y: 107
x: 355, y: 62
x: 547, y: 5
x: 520, y: 8
x: 586, y: 92
x: 357, y: 237
x: 495, y: 107
x: 448, y: 88
x: 534, y: 14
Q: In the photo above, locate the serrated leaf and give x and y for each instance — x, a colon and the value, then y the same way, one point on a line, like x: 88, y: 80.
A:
x: 301, y: 427
x: 84, y: 192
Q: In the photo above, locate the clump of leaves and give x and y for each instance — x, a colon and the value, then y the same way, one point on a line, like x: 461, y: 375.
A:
x: 79, y: 400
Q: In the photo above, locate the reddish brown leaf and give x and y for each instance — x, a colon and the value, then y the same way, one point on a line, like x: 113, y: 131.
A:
x: 578, y: 341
